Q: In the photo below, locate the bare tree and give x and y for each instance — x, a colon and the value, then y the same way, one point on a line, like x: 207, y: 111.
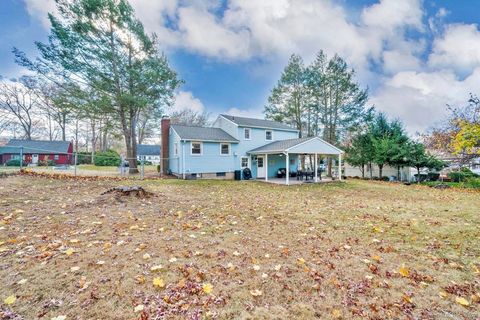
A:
x: 19, y: 100
x: 190, y: 117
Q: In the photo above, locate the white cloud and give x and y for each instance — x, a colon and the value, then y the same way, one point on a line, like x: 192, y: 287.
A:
x: 410, y: 87
x: 458, y: 48
x: 40, y: 9
x: 419, y: 99
x: 185, y: 100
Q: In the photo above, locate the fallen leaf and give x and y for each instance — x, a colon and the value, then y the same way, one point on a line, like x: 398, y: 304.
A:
x: 139, y: 308
x: 256, y: 292
x: 23, y: 281
x: 59, y: 318
x: 207, y: 288
x: 156, y: 268
x: 404, y: 271
x: 336, y: 313
x: 158, y: 282
x: 69, y: 251
x: 10, y: 300
x: 462, y: 301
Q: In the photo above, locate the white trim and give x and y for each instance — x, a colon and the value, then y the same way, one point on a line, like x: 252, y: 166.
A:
x: 271, y: 140
x: 201, y: 148
x: 263, y: 160
x: 249, y: 133
x: 317, y: 138
x: 248, y: 162
x: 229, y: 149
x: 227, y: 120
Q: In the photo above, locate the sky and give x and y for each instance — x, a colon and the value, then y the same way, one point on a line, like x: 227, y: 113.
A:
x: 416, y: 57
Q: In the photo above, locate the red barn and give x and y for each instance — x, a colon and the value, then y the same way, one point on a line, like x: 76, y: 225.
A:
x: 35, y: 151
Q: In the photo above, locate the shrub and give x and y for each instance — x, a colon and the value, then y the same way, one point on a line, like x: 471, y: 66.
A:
x: 84, y: 158
x: 46, y: 163
x: 107, y: 158
x: 158, y: 168
x: 462, y: 175
x: 472, y: 182
x: 14, y: 163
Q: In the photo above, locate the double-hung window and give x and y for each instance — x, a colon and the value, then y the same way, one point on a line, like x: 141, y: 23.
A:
x: 244, y: 163
x: 246, y: 132
x: 268, y: 135
x: 196, y: 148
x: 225, y: 149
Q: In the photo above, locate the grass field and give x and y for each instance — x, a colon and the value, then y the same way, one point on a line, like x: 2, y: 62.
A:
x: 237, y: 250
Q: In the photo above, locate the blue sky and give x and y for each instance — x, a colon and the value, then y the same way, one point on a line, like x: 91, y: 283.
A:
x: 415, y: 56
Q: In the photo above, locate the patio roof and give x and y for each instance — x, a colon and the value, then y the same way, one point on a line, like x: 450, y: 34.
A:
x: 311, y: 145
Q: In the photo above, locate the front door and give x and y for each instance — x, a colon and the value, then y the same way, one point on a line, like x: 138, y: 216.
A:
x: 34, y: 158
x: 260, y: 167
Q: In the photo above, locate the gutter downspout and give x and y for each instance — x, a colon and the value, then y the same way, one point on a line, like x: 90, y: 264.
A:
x: 183, y: 159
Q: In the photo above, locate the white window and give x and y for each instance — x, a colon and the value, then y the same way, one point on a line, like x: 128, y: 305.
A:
x: 175, y: 149
x: 56, y: 157
x: 244, y: 163
x: 225, y: 149
x: 268, y: 135
x: 196, y: 148
x: 246, y: 132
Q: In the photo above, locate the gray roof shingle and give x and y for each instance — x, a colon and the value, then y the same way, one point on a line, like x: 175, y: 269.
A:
x: 36, y: 146
x: 202, y: 134
x: 280, y: 145
x: 258, y: 123
x: 148, y: 149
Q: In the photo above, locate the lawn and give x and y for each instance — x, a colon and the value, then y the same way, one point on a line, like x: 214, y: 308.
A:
x: 237, y: 250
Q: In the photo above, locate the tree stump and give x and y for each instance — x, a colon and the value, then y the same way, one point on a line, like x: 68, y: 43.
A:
x: 123, y: 191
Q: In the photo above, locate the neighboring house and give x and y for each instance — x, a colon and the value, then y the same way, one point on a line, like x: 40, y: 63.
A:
x: 149, y: 152
x: 235, y: 143
x: 406, y: 173
x: 34, y: 151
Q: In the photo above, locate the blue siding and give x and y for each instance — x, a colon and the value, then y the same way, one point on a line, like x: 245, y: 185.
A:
x: 174, y: 161
x: 211, y: 161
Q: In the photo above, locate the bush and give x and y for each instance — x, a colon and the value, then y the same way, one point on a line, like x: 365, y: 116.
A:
x: 107, y: 158
x: 46, y: 163
x: 462, y: 175
x: 14, y: 163
x: 84, y: 158
x: 158, y: 168
x: 472, y: 182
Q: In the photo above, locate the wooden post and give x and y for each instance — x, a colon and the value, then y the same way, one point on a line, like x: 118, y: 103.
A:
x: 315, y: 168
x: 266, y: 166
x: 340, y: 167
x: 287, y: 170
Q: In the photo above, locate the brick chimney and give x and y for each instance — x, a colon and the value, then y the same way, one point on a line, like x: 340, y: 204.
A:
x: 164, y: 154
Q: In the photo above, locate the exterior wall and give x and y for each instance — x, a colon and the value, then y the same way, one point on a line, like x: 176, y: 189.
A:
x: 210, y: 161
x: 276, y: 162
x: 174, y: 161
x: 27, y: 157
x: 227, y: 126
x: 406, y: 173
x: 150, y: 158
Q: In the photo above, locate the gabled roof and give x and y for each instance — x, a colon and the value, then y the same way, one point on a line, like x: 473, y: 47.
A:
x: 300, y: 145
x: 148, y: 149
x: 36, y: 146
x: 202, y: 134
x: 257, y: 123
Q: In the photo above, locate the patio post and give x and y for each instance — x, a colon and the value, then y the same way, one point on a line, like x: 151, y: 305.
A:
x: 266, y: 166
x: 339, y: 166
x: 315, y: 168
x: 287, y: 169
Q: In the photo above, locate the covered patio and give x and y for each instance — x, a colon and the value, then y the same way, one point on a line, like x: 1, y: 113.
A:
x: 286, y: 154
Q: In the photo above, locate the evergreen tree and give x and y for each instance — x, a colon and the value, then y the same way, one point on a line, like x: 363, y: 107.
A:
x: 101, y: 46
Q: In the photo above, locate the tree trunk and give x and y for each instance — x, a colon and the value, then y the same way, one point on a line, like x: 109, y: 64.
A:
x: 380, y: 171
x: 362, y: 168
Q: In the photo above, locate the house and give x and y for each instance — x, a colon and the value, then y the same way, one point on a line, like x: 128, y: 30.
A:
x: 149, y: 153
x: 406, y: 173
x: 34, y: 152
x: 234, y: 143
